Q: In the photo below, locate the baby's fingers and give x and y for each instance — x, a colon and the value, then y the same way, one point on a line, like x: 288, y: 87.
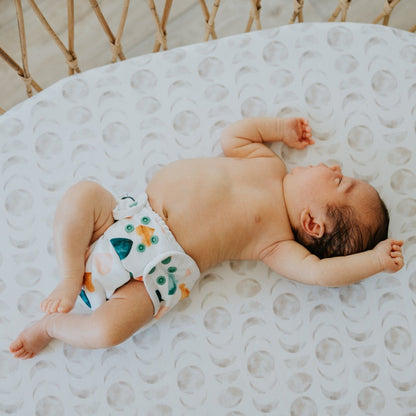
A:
x: 397, y: 243
x: 398, y: 262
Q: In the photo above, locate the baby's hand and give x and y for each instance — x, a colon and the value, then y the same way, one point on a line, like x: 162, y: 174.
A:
x: 389, y: 254
x: 297, y: 133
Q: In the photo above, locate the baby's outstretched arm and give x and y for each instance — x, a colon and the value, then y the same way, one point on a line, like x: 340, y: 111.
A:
x: 246, y: 138
x: 295, y: 262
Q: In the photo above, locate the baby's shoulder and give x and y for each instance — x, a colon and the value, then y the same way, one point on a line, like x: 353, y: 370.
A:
x: 272, y: 166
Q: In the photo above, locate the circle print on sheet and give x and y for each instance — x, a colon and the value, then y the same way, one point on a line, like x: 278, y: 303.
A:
x: 210, y: 68
x: 360, y: 138
x: 116, y: 134
x: 384, y: 83
x: 143, y: 81
x: 27, y: 304
x: 79, y: 115
x: 329, y: 350
x: 12, y: 127
x: 191, y: 379
x: 253, y: 107
x: 303, y: 406
x: 274, y: 53
x: 248, y: 288
x: 286, y: 306
x: 371, y: 400
x: 19, y: 202
x: 397, y: 340
x: 230, y: 397
x: 217, y: 319
x: 403, y: 181
x: 260, y: 364
x: 340, y: 38
x: 346, y: 64
x: 49, y: 406
x: 48, y: 145
x: 186, y: 122
x: 318, y: 96
x: 120, y: 395
x: 75, y: 89
x: 300, y: 382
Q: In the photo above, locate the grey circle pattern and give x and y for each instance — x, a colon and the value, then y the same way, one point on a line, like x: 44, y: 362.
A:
x: 246, y: 341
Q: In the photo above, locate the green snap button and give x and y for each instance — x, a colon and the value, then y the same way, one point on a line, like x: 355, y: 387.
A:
x: 129, y: 228
x: 141, y: 248
x: 145, y: 220
x: 161, y: 280
x: 154, y: 239
x: 172, y: 269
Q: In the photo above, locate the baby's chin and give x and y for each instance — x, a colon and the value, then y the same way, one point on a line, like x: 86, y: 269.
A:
x: 299, y: 169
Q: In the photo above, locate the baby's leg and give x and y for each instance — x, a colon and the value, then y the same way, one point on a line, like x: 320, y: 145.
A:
x: 83, y: 215
x: 129, y: 309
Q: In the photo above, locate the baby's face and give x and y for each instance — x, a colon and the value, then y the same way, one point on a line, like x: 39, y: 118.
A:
x: 323, y: 185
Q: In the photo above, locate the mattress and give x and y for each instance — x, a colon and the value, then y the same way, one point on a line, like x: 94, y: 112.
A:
x: 247, y: 341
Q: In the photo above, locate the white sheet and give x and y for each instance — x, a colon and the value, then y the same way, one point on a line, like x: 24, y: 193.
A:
x: 247, y: 341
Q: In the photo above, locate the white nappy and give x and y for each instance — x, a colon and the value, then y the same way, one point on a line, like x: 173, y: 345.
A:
x: 139, y: 245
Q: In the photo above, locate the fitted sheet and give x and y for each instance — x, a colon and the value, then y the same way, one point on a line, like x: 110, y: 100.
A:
x: 247, y: 341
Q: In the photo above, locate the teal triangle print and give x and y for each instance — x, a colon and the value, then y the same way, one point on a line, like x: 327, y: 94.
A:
x: 122, y: 246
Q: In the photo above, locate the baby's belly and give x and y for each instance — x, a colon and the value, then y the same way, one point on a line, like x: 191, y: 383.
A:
x: 208, y: 237
x: 196, y: 232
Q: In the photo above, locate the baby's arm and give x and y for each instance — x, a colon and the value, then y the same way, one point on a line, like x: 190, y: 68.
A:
x: 295, y: 262
x: 246, y: 137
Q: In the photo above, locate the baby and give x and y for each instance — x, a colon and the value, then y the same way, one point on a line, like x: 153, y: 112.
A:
x: 312, y: 225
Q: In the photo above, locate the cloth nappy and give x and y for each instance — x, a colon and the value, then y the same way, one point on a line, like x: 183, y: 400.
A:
x: 139, y: 245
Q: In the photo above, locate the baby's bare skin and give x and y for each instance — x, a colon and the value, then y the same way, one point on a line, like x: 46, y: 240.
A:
x: 227, y: 208
x: 218, y: 209
x: 239, y: 202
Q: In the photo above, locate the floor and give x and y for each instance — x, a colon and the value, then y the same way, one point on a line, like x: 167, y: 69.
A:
x: 185, y: 25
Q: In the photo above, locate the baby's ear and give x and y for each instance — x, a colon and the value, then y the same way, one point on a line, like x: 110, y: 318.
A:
x: 313, y: 226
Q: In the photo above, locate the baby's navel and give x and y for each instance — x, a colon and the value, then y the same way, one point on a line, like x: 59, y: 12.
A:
x: 257, y: 219
x: 165, y: 213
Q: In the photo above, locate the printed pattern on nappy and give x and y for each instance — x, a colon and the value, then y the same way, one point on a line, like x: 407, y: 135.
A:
x: 139, y: 245
x: 104, y: 273
x: 169, y: 278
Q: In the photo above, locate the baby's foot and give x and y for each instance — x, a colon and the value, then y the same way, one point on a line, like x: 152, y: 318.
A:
x: 63, y: 298
x: 297, y: 132
x: 31, y: 340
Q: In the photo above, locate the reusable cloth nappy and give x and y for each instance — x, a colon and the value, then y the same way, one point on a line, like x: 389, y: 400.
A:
x: 139, y: 245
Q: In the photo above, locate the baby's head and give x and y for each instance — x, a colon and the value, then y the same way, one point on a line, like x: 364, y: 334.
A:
x: 345, y: 234
x: 334, y: 215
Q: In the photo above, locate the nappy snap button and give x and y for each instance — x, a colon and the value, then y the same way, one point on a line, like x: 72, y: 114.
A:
x: 141, y: 248
x: 129, y: 228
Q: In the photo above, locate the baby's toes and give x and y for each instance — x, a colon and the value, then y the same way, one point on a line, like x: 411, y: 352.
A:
x: 16, y: 346
x: 44, y: 305
x: 50, y: 305
x: 304, y: 128
x: 63, y: 306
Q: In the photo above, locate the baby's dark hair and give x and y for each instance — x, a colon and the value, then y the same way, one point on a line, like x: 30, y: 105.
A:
x: 347, y: 235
